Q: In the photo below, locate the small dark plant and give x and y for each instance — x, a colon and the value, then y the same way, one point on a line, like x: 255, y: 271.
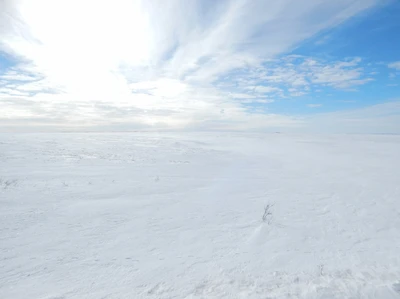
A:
x: 267, y: 216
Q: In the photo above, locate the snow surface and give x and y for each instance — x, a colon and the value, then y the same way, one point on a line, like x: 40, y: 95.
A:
x: 147, y: 215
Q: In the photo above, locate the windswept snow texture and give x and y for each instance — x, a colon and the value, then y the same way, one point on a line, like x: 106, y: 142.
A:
x: 147, y: 215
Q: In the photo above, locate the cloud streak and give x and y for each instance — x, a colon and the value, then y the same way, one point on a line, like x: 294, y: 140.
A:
x: 394, y: 65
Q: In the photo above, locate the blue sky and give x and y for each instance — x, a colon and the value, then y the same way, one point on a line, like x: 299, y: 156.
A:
x: 242, y: 65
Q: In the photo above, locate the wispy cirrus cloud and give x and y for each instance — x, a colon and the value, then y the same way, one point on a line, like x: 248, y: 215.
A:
x: 165, y: 64
x: 375, y: 119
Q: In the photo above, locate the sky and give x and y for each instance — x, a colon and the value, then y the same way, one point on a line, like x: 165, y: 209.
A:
x: 240, y: 65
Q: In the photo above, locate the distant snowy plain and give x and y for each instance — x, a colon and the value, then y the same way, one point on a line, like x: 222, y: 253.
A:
x: 168, y: 215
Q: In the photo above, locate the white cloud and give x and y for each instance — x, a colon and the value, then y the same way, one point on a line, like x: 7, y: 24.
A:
x: 298, y: 75
x: 162, y: 87
x: 394, y: 65
x: 314, y: 105
x: 337, y: 74
x: 99, y: 62
x: 265, y: 89
x: 380, y: 118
